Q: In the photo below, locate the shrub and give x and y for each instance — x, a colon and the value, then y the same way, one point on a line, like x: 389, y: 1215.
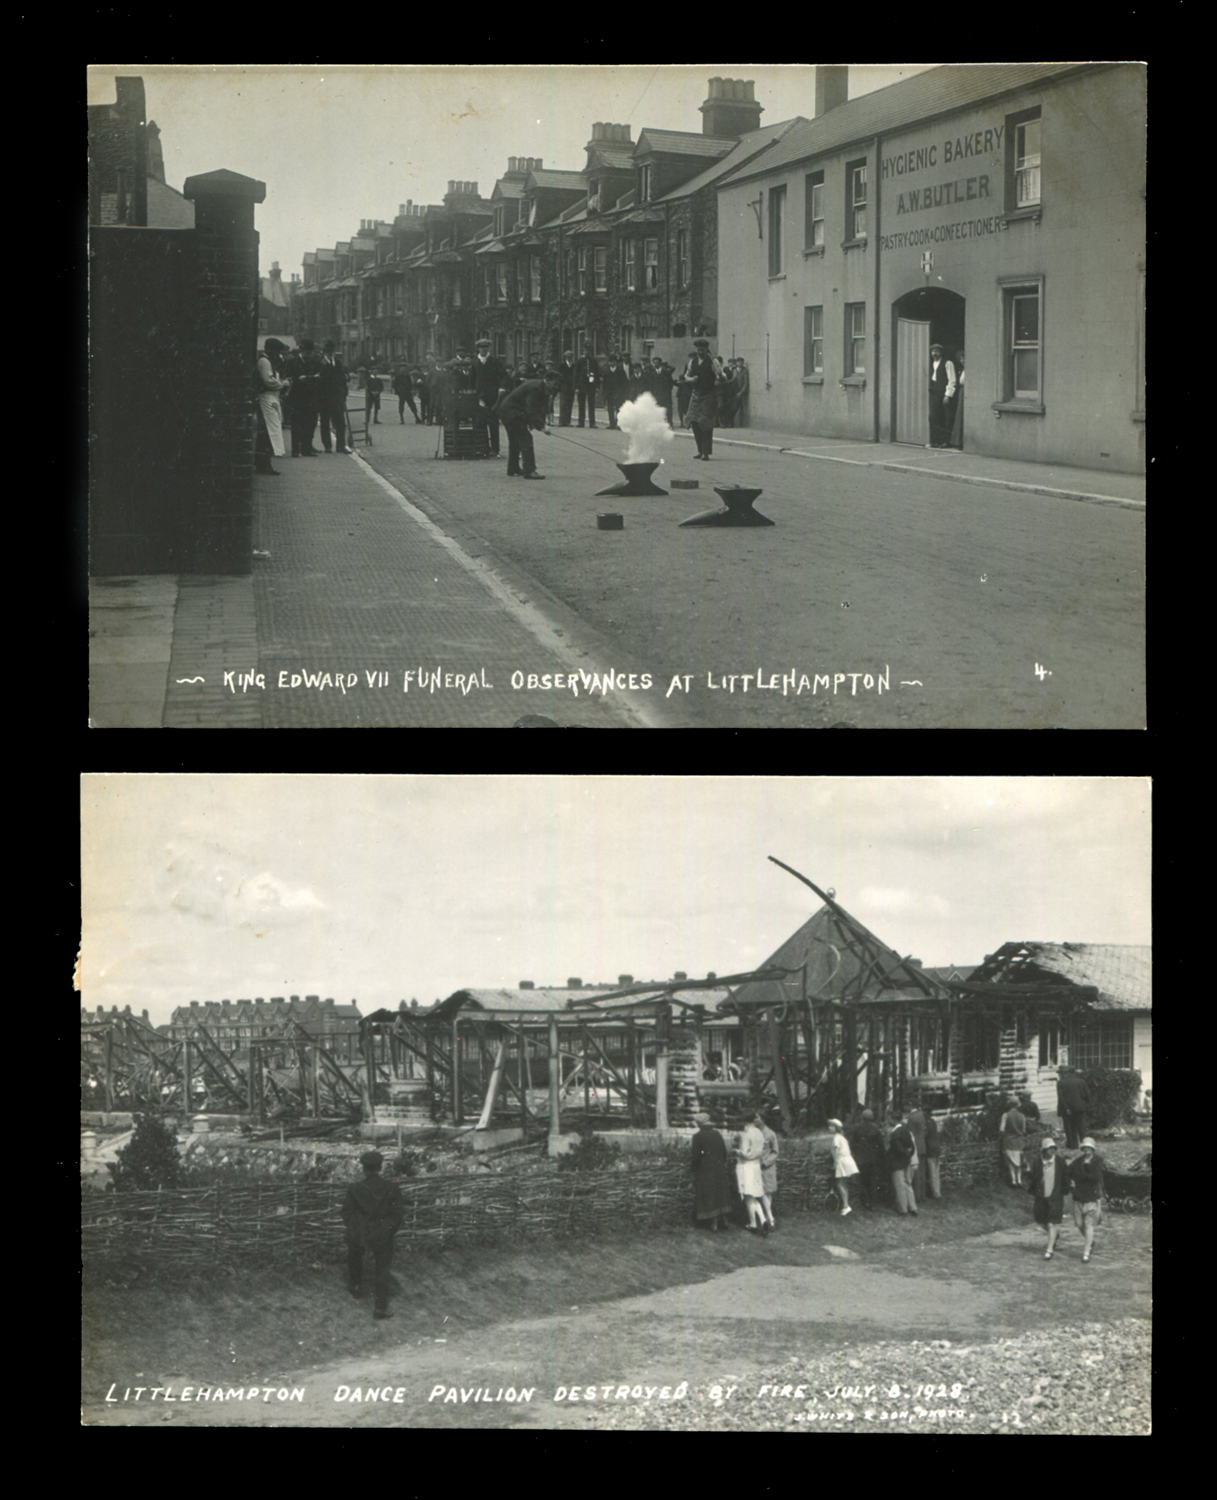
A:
x: 959, y: 1130
x: 592, y: 1153
x: 150, y: 1158
x: 1113, y: 1095
x: 411, y: 1163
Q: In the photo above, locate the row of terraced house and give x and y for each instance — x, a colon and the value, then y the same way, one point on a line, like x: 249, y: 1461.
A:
x: 618, y: 256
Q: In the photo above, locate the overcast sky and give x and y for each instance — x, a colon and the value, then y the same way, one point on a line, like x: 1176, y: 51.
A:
x: 387, y: 888
x: 337, y: 145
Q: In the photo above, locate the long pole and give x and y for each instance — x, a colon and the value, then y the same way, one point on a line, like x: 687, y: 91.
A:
x: 555, y: 1076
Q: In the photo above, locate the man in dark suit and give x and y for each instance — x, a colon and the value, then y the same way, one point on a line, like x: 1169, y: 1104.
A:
x: 333, y: 400
x: 587, y: 378
x: 372, y: 1213
x: 521, y: 411
x: 490, y: 384
x: 306, y: 400
x: 566, y: 388
x: 616, y: 388
x: 660, y: 386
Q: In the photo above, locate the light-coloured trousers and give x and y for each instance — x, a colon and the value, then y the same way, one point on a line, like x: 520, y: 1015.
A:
x: 902, y: 1186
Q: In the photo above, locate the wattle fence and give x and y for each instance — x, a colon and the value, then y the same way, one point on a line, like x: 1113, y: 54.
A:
x: 294, y: 1223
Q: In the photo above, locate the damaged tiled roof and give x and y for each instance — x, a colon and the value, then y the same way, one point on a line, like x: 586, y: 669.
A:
x: 1120, y: 972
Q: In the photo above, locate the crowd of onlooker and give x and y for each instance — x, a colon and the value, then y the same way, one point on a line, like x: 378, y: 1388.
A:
x: 896, y: 1161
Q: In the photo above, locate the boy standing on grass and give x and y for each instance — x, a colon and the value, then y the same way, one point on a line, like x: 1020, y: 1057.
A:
x: 372, y: 1213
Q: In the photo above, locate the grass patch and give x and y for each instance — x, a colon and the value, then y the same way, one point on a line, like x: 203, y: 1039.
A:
x: 243, y: 1327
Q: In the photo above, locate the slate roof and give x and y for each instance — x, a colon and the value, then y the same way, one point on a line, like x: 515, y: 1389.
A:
x: 846, y: 964
x: 901, y: 105
x: 547, y: 179
x: 619, y: 156
x: 685, y: 143
x: 746, y: 148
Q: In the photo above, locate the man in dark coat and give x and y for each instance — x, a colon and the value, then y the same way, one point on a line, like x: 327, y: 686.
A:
x: 566, y: 388
x: 917, y: 1129
x: 372, y: 1213
x: 1072, y: 1104
x: 711, y: 1195
x: 587, y: 378
x: 333, y: 387
x: 661, y: 386
x: 616, y: 388
x: 490, y: 383
x: 521, y: 411
x: 306, y: 400
x: 866, y: 1146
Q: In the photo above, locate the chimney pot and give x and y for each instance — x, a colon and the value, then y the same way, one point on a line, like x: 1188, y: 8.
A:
x: 145, y: 1015
x: 401, y: 209
x: 295, y: 998
x: 624, y: 979
x: 194, y: 1005
x: 680, y: 974
x: 311, y: 997
x: 574, y: 984
x: 527, y: 984
x: 711, y: 975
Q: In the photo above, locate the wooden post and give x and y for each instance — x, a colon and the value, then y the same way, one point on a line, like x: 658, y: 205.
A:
x: 107, y: 1045
x: 555, y: 1077
x: 316, y: 1079
x: 779, y: 1068
x: 187, y: 1079
x: 850, y: 1102
x: 429, y: 1048
x: 632, y: 1043
x: 662, y: 1022
x: 587, y: 1086
x: 520, y: 1060
x: 458, y: 1116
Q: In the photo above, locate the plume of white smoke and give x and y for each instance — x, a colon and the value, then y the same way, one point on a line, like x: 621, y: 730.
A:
x: 647, y: 428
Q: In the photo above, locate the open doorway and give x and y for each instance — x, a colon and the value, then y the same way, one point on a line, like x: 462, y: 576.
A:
x: 929, y: 315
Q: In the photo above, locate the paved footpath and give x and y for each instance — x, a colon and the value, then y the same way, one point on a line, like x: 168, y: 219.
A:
x: 353, y: 589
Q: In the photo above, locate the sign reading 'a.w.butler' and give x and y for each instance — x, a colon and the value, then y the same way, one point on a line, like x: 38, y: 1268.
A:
x: 986, y: 143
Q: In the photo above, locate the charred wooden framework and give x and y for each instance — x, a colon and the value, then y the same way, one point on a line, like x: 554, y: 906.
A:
x: 591, y: 1057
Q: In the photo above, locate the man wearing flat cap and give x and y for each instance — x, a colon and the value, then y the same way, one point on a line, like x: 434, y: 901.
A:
x: 372, y: 1212
x: 942, y: 397
x: 701, y: 375
x: 490, y: 385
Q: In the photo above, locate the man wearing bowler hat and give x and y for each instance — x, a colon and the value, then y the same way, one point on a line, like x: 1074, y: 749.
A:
x: 372, y: 1213
x: 942, y: 397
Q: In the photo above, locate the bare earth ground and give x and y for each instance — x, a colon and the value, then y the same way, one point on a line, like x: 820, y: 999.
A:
x: 910, y: 1309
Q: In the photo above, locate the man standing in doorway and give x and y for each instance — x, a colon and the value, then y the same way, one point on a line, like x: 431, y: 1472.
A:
x: 942, y: 397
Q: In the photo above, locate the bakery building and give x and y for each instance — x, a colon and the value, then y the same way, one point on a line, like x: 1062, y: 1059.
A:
x: 998, y: 211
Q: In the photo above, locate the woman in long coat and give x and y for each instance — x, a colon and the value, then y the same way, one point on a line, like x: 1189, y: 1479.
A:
x: 1049, y: 1184
x: 711, y: 1195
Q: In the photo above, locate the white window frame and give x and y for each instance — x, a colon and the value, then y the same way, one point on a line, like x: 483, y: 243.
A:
x: 855, y: 338
x: 813, y: 340
x: 600, y: 268
x: 813, y: 218
x: 650, y: 268
x: 857, y: 200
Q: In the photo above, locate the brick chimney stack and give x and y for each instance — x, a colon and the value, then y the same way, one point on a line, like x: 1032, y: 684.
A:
x: 730, y: 109
x: 832, y: 87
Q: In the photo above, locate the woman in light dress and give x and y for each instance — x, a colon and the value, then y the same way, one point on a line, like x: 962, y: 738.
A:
x: 748, y: 1175
x: 843, y: 1165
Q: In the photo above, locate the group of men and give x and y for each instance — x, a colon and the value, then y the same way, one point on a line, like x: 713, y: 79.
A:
x: 298, y: 388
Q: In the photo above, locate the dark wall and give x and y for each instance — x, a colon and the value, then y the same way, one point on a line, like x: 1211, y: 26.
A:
x: 173, y: 317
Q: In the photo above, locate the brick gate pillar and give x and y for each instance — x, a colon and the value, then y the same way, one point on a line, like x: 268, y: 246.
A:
x: 219, y: 367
